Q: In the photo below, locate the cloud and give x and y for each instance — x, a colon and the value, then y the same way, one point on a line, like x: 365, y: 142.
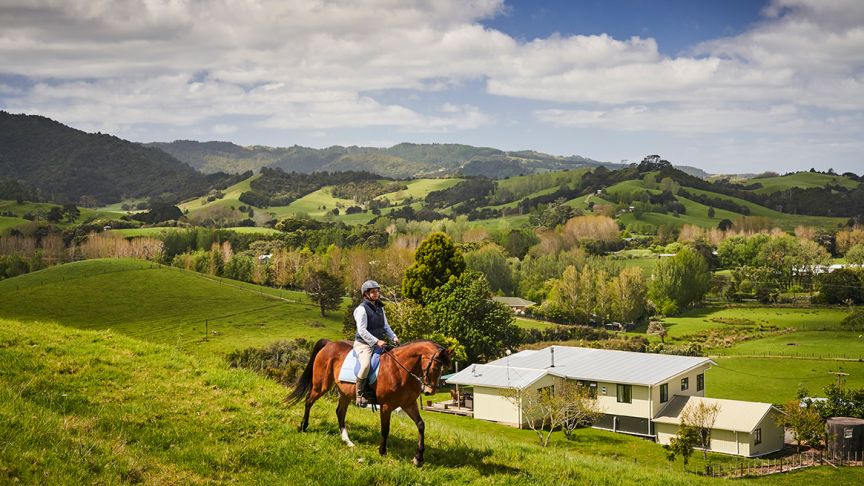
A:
x: 321, y: 66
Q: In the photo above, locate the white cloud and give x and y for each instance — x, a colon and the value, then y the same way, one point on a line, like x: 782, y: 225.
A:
x: 315, y: 65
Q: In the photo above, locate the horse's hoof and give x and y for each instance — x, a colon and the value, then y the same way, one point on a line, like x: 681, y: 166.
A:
x: 383, y: 452
x: 418, y: 462
x: 349, y: 444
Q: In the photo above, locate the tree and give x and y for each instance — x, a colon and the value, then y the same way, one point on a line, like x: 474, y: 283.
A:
x: 805, y: 423
x: 71, y: 212
x: 492, y: 262
x: 657, y: 328
x: 724, y: 224
x: 565, y: 404
x: 701, y: 416
x: 855, y: 255
x: 463, y: 310
x: 630, y: 295
x: 324, y: 289
x: 684, y: 279
x: 436, y: 262
x: 854, y: 321
x: 839, y: 286
x: 682, y: 444
x: 54, y: 215
x: 711, y: 212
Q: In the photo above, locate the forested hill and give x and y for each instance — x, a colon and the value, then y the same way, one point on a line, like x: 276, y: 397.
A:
x: 401, y: 161
x: 65, y: 164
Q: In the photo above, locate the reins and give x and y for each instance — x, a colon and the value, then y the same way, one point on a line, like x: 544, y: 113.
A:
x: 425, y: 372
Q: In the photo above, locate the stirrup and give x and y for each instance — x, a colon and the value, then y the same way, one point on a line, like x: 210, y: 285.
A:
x: 361, y: 401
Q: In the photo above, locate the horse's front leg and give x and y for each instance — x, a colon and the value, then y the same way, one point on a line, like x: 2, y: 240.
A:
x: 386, y: 410
x: 413, y: 412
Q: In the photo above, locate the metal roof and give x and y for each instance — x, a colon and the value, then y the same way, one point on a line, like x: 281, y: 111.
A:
x: 513, y: 301
x: 577, y: 363
x: 604, y: 364
x: 734, y: 415
x: 496, y: 376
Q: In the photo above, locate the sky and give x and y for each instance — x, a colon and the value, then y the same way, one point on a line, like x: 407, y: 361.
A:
x: 730, y: 86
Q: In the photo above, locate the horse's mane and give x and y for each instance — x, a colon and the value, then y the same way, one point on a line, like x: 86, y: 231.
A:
x: 444, y: 358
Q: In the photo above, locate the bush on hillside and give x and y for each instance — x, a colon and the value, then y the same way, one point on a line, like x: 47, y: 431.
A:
x: 283, y: 361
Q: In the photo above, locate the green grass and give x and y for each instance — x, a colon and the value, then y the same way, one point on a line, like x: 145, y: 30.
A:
x: 533, y: 323
x: 231, y: 197
x: 312, y: 204
x: 775, y: 380
x: 804, y: 180
x: 803, y: 344
x: 419, y: 188
x: 30, y: 207
x: 643, y: 259
x: 7, y: 223
x: 164, y: 305
x: 79, y: 407
x: 161, y: 230
x: 804, y: 319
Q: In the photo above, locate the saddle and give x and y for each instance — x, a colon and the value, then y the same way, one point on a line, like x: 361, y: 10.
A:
x: 351, y: 366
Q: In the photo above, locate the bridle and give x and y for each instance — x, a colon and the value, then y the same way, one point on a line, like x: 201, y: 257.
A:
x: 424, y: 379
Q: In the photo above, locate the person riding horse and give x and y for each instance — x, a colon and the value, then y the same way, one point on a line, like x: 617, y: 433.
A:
x: 372, y: 330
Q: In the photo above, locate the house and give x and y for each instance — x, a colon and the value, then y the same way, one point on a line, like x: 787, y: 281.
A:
x: 631, y: 388
x: 516, y: 304
x: 741, y: 428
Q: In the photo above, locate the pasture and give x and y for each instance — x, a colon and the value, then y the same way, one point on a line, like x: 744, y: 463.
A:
x: 804, y: 180
x: 187, y: 310
x: 8, y: 222
x: 19, y: 210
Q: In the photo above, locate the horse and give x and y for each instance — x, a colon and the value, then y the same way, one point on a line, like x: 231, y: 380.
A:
x: 404, y: 372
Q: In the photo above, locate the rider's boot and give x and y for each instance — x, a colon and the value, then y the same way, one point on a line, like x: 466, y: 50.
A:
x: 361, y: 389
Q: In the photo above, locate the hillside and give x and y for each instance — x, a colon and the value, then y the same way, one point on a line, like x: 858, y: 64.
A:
x: 65, y: 164
x: 802, y: 180
x: 163, y: 305
x: 401, y: 161
x: 98, y: 407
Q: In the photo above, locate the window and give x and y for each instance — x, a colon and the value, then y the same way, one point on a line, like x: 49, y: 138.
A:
x: 625, y: 394
x: 603, y: 390
x: 757, y: 436
x: 546, y: 391
x: 664, y: 393
x: 591, y: 386
x: 700, y: 382
x: 685, y: 383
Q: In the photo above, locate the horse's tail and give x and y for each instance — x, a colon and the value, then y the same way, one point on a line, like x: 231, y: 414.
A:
x: 304, y: 383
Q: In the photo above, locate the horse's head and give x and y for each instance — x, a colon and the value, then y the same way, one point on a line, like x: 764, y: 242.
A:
x: 432, y: 373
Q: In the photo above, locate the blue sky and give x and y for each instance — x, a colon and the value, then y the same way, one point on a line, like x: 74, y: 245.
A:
x: 727, y: 85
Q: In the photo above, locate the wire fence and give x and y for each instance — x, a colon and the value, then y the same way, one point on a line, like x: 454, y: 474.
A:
x: 852, y: 356
x: 764, y: 467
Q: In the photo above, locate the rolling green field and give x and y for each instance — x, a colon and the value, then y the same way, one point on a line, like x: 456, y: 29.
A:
x: 160, y: 230
x: 231, y: 197
x: 80, y: 407
x: 804, y: 180
x: 30, y: 207
x: 164, y: 305
x: 419, y: 188
x: 7, y: 222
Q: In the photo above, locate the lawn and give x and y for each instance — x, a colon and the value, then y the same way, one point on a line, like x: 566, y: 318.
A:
x: 525, y: 323
x: 164, y: 305
x: 809, y: 319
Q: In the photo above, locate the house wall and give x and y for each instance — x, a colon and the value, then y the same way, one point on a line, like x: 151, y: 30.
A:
x: 728, y: 442
x: 675, y: 389
x: 609, y: 405
x: 497, y: 405
x: 772, y: 436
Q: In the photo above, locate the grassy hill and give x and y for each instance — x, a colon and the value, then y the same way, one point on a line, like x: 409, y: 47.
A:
x: 803, y: 180
x: 164, y: 305
x: 80, y: 407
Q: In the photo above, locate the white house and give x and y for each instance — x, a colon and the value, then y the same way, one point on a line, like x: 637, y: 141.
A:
x: 517, y: 304
x: 631, y: 387
x: 742, y: 428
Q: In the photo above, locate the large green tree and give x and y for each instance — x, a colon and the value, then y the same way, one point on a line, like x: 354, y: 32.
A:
x: 491, y: 261
x: 462, y: 309
x: 436, y: 263
x: 324, y: 289
x: 683, y: 279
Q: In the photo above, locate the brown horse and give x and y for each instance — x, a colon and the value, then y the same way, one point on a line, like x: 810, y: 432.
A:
x: 404, y: 372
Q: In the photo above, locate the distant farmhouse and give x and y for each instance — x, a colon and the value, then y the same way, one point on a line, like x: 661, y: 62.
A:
x: 516, y: 304
x: 639, y: 394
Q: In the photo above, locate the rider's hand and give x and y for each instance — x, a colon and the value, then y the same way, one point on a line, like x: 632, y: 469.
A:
x: 381, y: 343
x: 396, y: 341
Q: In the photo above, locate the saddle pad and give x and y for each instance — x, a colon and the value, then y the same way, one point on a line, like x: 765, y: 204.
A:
x: 350, y: 367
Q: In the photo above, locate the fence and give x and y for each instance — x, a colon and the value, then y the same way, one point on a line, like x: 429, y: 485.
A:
x: 764, y: 467
x: 789, y: 354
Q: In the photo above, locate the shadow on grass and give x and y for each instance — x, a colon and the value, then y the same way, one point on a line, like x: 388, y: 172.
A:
x: 403, y: 445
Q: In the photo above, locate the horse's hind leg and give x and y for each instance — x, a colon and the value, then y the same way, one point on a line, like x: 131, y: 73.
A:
x: 314, y: 394
x: 341, y: 410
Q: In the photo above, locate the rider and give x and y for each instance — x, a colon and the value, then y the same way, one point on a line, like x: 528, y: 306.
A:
x: 372, y: 330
